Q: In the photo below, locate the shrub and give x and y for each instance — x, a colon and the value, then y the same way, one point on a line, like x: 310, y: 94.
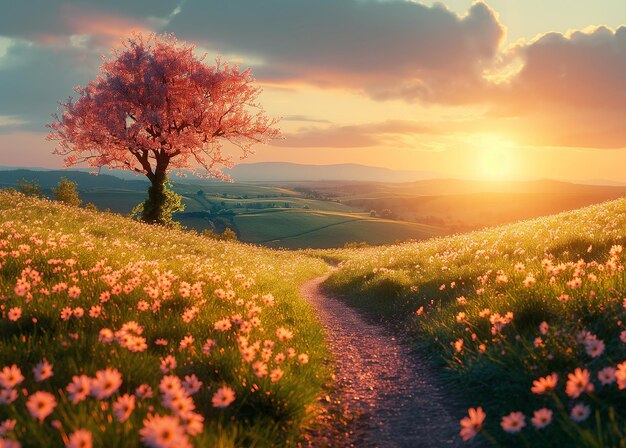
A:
x: 66, y: 191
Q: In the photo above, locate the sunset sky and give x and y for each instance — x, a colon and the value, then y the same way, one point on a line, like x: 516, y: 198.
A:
x: 496, y: 90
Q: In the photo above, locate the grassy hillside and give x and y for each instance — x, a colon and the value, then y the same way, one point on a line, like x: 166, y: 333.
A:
x: 138, y: 310
x: 505, y: 307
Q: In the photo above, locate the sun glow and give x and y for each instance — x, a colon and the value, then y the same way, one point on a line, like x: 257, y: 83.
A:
x: 495, y: 158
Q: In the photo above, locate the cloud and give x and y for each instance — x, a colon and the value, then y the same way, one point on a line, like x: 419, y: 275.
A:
x: 395, y: 49
x: 53, y: 21
x: 571, y: 90
x: 389, y: 133
x: 304, y: 118
x: 34, y: 78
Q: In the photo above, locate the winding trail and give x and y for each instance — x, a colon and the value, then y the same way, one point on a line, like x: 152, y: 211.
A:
x: 380, y: 381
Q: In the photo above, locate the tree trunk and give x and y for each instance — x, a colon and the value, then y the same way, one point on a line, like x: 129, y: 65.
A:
x: 153, y: 208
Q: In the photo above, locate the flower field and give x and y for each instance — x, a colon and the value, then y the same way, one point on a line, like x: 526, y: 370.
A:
x: 528, y: 320
x: 116, y: 333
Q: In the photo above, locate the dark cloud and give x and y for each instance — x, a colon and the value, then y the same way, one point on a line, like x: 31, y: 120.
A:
x: 33, y: 79
x: 394, y: 49
x: 48, y: 21
x: 570, y: 91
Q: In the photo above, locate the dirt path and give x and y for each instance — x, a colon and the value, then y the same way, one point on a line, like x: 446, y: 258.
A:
x: 381, y: 381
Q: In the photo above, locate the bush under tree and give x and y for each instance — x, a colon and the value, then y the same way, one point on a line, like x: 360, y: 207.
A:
x: 66, y: 191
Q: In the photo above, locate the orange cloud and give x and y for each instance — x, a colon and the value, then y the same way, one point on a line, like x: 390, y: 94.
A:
x: 106, y: 28
x: 570, y: 91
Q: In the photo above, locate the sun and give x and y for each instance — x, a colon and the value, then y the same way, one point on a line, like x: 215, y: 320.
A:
x: 495, y: 158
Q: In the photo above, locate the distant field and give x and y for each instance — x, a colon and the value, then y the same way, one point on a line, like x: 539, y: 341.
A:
x: 297, y: 229
x: 314, y: 214
x: 272, y: 216
x: 287, y: 216
x: 459, y: 205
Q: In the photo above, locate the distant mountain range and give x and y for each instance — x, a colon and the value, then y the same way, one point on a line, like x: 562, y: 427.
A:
x: 287, y: 172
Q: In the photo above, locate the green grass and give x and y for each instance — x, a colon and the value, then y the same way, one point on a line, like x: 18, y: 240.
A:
x: 455, y: 280
x: 107, y: 250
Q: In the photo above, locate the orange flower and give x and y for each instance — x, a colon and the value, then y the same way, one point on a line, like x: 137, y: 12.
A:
x: 545, y: 384
x: 223, y: 397
x: 41, y: 404
x: 472, y: 424
x: 578, y: 382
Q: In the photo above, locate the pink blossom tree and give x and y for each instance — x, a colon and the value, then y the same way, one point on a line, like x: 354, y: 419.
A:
x: 156, y: 106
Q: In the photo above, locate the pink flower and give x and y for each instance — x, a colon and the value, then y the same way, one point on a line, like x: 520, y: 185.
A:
x: 106, y: 383
x: 8, y: 396
x: 123, y: 407
x: 607, y: 375
x: 81, y: 438
x: 163, y: 432
x: 472, y: 424
x: 283, y: 334
x: 143, y: 391
x: 7, y: 426
x: 41, y: 404
x: 73, y: 292
x: 42, y: 371
x: 259, y: 369
x: 223, y: 397
x: 79, y: 388
x: 514, y: 422
x: 580, y: 412
x: 10, y: 377
x: 15, y: 313
x: 192, y: 384
x: 186, y: 342
x: 594, y: 347
x: 276, y: 374
x: 542, y: 418
x: 168, y: 364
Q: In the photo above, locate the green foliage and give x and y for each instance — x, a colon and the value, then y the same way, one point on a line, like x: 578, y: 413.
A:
x: 355, y: 245
x: 29, y: 187
x: 66, y: 191
x: 227, y: 235
x: 161, y: 211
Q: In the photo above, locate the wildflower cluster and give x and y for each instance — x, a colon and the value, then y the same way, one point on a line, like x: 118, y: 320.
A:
x: 143, y: 335
x: 534, y: 312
